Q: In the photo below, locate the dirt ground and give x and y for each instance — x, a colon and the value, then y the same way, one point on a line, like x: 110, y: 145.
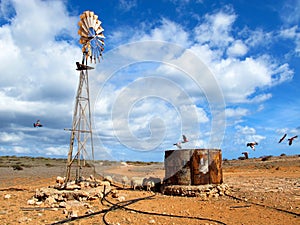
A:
x: 262, y: 191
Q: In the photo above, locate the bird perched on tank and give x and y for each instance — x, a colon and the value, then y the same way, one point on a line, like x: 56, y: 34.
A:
x: 291, y: 140
x: 252, y: 145
x: 281, y: 139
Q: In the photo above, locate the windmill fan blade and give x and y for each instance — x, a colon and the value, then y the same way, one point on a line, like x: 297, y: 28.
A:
x: 97, y: 25
x: 89, y: 21
x: 87, y: 13
x: 82, y: 16
x: 82, y: 26
x: 82, y: 41
x: 82, y: 33
x: 86, y: 24
x: 91, y: 14
x: 93, y: 22
x: 84, y: 30
x: 100, y: 31
x: 92, y: 19
x: 101, y: 41
x: 101, y: 35
x: 89, y: 17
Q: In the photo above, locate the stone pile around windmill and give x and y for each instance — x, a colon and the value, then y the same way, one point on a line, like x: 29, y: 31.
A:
x: 74, y: 195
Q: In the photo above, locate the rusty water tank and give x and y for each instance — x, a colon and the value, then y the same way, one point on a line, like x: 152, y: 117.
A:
x: 193, y: 167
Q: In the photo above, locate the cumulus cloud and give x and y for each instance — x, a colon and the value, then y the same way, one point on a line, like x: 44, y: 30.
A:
x: 215, y: 30
x: 293, y: 34
x: 166, y: 80
x: 238, y: 112
x: 38, y: 59
x: 237, y: 48
x: 246, y: 134
x: 245, y: 130
x: 10, y: 137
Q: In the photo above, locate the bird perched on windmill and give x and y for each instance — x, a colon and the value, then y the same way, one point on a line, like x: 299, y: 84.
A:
x: 178, y: 144
x: 83, y: 67
x: 291, y: 140
x: 252, y: 145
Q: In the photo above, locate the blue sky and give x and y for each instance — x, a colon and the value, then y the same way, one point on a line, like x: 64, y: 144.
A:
x: 223, y: 74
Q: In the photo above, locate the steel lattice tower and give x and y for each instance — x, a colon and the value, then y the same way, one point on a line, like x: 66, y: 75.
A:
x: 82, y: 124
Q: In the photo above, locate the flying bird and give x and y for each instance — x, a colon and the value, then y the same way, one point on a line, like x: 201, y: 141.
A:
x: 252, y: 145
x: 37, y: 124
x: 184, y: 139
x: 178, y: 144
x: 281, y: 139
x: 291, y: 139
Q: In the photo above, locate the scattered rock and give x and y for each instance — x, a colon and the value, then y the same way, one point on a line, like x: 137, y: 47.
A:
x: 73, y: 213
x: 204, y: 192
x: 72, y: 198
x: 32, y: 201
x: 7, y: 196
x: 152, y: 221
x: 24, y: 219
x: 121, y: 199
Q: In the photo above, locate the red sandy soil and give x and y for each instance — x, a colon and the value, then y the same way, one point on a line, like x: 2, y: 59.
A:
x: 262, y: 192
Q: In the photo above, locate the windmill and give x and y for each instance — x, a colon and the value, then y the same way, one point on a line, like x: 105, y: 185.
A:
x: 92, y: 40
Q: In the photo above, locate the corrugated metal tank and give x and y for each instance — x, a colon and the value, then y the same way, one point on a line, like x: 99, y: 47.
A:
x: 193, y: 167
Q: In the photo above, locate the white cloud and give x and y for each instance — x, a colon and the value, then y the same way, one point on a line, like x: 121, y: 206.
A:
x: 136, y: 97
x: 289, y: 12
x: 38, y: 72
x: 257, y: 38
x: 246, y: 134
x: 238, y: 112
x: 237, y: 48
x: 55, y: 151
x: 20, y: 150
x: 245, y: 130
x: 289, y: 32
x: 240, y: 79
x: 168, y: 31
x: 260, y: 98
x: 293, y: 34
x: 127, y: 5
x: 243, y: 78
x: 216, y: 29
x: 11, y: 137
x: 39, y: 22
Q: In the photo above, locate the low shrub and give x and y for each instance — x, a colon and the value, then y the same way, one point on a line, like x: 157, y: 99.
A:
x: 17, y: 167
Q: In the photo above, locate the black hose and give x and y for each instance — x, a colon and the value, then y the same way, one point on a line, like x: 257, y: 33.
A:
x: 262, y: 205
x: 129, y: 202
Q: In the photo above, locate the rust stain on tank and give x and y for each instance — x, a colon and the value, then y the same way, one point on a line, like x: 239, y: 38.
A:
x: 193, y: 167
